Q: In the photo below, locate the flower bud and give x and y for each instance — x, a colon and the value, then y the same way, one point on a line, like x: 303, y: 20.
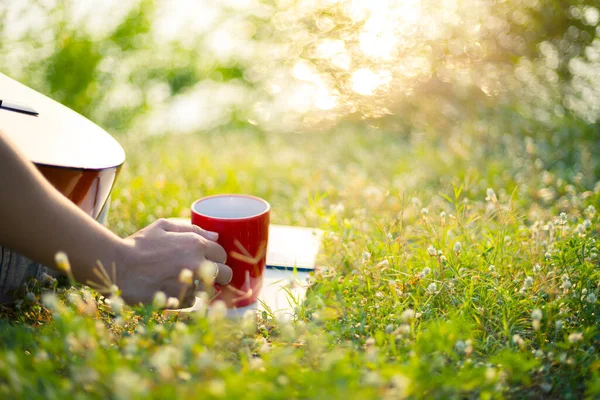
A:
x: 62, y: 261
x: 160, y: 299
x: 186, y: 276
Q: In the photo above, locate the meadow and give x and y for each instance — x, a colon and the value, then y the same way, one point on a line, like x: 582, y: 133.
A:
x: 460, y: 257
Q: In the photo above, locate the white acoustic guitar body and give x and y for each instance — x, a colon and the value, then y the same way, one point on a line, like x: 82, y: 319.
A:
x: 78, y: 157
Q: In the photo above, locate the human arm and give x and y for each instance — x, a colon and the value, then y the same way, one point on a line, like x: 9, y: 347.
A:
x: 37, y: 221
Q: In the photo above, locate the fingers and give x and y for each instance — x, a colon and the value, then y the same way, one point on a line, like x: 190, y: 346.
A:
x: 182, y: 227
x: 215, y: 252
x: 211, y: 249
x: 204, y: 249
x: 224, y: 274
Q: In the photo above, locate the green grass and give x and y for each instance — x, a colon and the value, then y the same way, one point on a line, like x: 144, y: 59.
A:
x: 398, y: 307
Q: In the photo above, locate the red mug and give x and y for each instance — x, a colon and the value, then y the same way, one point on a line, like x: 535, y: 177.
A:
x: 242, y: 222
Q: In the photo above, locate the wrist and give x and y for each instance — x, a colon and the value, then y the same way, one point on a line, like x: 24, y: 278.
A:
x: 122, y: 258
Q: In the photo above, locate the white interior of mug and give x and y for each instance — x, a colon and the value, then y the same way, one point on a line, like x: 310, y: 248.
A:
x: 231, y: 207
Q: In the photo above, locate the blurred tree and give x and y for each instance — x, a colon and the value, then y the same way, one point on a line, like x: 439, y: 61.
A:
x: 285, y: 65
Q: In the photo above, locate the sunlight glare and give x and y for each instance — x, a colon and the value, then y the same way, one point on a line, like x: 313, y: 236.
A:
x: 335, y: 51
x: 305, y: 71
x: 408, y: 12
x: 324, y: 100
x: 377, y: 39
x: 365, y: 82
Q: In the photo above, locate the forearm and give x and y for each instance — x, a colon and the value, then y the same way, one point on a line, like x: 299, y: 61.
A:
x: 37, y: 221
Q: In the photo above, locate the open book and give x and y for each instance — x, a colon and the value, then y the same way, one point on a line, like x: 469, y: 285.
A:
x: 292, y: 247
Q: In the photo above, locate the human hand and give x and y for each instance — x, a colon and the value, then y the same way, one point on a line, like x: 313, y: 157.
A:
x: 152, y: 259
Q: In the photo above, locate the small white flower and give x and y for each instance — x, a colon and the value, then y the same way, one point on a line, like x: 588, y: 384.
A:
x: 443, y: 259
x: 76, y: 300
x: 490, y: 194
x: 587, y: 224
x: 537, y: 268
x: 590, y: 211
x: 249, y: 322
x: 172, y: 303
x: 62, y: 262
x: 337, y: 208
x: 407, y: 315
x: 591, y: 298
x: 207, y: 272
x: 426, y: 271
x: 399, y: 385
x: 218, y: 310
x: 538, y: 353
x: 432, y: 288
x: 518, y: 340
x: 30, y: 297
x: 47, y: 279
x: 457, y: 247
x: 50, y: 300
x: 469, y: 346
x: 372, y: 378
x: 443, y: 214
x: 424, y: 211
x: 160, y: 299
x: 528, y: 282
x: 186, y: 276
x: 575, y: 337
x: 283, y: 380
x: 460, y: 346
x: 558, y: 324
x: 431, y: 251
x: 563, y: 218
x: 492, y: 268
x: 116, y: 304
x: 256, y: 363
x: 536, y: 314
x: 216, y: 387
